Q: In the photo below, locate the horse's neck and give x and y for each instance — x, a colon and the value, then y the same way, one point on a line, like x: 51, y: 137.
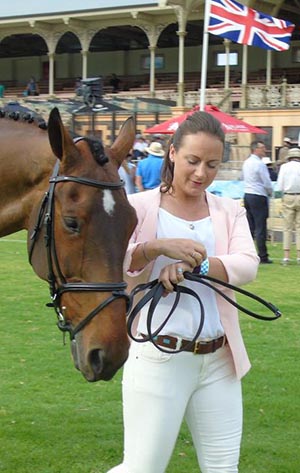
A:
x: 26, y: 162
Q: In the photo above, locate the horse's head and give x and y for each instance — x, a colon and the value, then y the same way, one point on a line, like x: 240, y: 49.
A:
x: 87, y: 223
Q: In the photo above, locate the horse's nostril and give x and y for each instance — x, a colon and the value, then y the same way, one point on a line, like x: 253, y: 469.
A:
x: 96, y: 359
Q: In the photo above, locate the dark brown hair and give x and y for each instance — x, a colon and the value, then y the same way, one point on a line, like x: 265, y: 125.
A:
x: 195, y: 123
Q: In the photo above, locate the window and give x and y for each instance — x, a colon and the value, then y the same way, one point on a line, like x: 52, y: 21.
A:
x: 296, y: 54
x: 221, y: 59
x: 159, y: 62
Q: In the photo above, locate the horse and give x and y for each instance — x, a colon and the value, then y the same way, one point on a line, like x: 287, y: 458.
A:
x: 68, y: 195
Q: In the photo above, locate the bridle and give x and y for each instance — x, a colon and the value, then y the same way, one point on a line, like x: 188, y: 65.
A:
x: 155, y: 290
x: 58, y: 285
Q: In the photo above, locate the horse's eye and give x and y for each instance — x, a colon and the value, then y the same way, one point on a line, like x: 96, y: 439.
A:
x: 72, y: 224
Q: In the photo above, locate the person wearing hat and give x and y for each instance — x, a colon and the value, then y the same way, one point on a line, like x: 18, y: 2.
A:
x: 269, y: 163
x: 287, y: 143
x: 148, y: 173
x: 289, y: 184
x: 139, y: 147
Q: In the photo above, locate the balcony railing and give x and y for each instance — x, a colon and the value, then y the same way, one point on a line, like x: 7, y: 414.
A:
x: 250, y: 96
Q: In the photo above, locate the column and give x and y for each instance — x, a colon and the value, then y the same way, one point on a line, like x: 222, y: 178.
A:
x: 269, y: 67
x: 84, y: 64
x: 180, y: 85
x: 152, y: 70
x: 226, y: 43
x: 51, y: 73
x: 243, y: 102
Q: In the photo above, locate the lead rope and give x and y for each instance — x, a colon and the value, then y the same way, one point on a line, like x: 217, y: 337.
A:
x: 155, y: 290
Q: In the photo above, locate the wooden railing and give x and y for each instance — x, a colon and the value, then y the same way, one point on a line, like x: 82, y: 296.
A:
x: 251, y: 96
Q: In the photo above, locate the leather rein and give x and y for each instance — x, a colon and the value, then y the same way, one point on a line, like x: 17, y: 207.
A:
x: 58, y: 284
x: 155, y: 291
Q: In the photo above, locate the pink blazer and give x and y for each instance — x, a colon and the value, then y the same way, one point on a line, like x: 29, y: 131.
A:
x: 234, y: 247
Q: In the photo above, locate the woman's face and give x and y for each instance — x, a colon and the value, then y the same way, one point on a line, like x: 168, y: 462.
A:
x: 196, y: 163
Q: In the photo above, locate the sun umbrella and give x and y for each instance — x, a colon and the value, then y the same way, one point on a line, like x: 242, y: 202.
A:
x: 229, y: 123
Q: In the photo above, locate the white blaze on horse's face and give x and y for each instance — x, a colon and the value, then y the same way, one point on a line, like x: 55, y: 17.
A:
x: 108, y: 202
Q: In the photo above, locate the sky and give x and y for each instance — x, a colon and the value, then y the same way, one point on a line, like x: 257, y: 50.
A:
x: 33, y: 7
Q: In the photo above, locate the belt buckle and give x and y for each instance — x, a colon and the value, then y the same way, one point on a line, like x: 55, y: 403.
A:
x: 196, y: 347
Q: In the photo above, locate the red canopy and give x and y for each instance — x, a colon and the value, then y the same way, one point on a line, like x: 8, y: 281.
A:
x: 229, y: 123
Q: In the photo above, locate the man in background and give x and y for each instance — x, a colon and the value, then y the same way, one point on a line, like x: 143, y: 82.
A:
x: 148, y: 173
x: 289, y: 185
x: 287, y: 144
x: 258, y: 188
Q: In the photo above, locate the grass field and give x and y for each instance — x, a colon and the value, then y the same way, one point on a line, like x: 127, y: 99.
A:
x: 53, y: 421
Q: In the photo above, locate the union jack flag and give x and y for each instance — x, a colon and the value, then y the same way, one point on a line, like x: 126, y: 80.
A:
x: 243, y: 25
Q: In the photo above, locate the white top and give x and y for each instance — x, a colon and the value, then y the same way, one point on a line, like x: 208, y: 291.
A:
x: 185, y: 320
x: 256, y: 177
x: 289, y: 177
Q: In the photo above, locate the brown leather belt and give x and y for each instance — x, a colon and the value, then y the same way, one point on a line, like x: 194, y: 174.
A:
x: 291, y: 193
x: 200, y: 347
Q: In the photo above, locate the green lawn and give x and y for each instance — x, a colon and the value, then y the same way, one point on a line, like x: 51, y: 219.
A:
x: 53, y: 421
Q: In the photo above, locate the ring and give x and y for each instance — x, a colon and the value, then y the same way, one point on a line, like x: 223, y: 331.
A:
x: 179, y: 270
x: 193, y: 254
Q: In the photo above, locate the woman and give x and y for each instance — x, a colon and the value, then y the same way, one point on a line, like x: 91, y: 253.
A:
x: 181, y: 227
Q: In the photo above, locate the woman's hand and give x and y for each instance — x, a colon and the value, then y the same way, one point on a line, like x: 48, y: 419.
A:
x: 183, y: 249
x: 179, y: 249
x: 173, y: 274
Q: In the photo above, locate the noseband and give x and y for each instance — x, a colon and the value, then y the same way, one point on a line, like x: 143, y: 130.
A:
x: 58, y: 285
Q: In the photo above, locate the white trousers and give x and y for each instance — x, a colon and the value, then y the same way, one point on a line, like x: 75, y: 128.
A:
x: 160, y: 390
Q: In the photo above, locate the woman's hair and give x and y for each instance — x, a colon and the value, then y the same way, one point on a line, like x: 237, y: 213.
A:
x: 195, y: 123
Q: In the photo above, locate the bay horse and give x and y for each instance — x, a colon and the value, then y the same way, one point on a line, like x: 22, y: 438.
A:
x: 68, y: 196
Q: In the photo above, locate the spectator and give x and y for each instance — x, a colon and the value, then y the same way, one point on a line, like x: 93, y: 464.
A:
x: 287, y: 144
x: 127, y: 174
x: 258, y: 186
x: 139, y: 147
x: 269, y: 163
x: 115, y: 83
x: 148, y: 174
x: 32, y: 87
x: 289, y: 184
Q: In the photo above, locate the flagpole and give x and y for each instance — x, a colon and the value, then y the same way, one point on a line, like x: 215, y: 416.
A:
x: 204, y: 54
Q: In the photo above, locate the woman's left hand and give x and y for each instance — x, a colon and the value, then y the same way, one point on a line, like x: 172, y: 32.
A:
x: 173, y: 274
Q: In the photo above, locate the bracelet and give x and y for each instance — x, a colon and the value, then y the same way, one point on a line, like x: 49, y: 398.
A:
x: 204, y: 267
x: 144, y: 252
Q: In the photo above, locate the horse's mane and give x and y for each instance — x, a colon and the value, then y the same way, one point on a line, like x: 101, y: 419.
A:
x: 95, y: 145
x: 16, y: 112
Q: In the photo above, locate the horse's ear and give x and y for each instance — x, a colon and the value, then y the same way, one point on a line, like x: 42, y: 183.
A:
x: 58, y: 136
x: 124, y: 142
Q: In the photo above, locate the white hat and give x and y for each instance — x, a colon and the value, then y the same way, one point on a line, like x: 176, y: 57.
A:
x: 293, y: 153
x: 156, y: 149
x: 286, y: 139
x: 266, y: 160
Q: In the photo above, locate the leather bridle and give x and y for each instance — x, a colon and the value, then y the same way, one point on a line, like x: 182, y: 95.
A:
x: 58, y: 284
x: 155, y: 290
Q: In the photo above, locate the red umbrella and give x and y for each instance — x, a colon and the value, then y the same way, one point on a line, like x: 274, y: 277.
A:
x: 229, y: 123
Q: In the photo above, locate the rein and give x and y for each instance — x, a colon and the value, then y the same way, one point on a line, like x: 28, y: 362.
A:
x: 155, y: 290
x: 58, y: 284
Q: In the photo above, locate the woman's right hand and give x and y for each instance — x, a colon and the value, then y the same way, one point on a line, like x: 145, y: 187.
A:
x: 183, y: 249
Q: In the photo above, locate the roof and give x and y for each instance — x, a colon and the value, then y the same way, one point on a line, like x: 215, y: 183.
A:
x: 19, y: 8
